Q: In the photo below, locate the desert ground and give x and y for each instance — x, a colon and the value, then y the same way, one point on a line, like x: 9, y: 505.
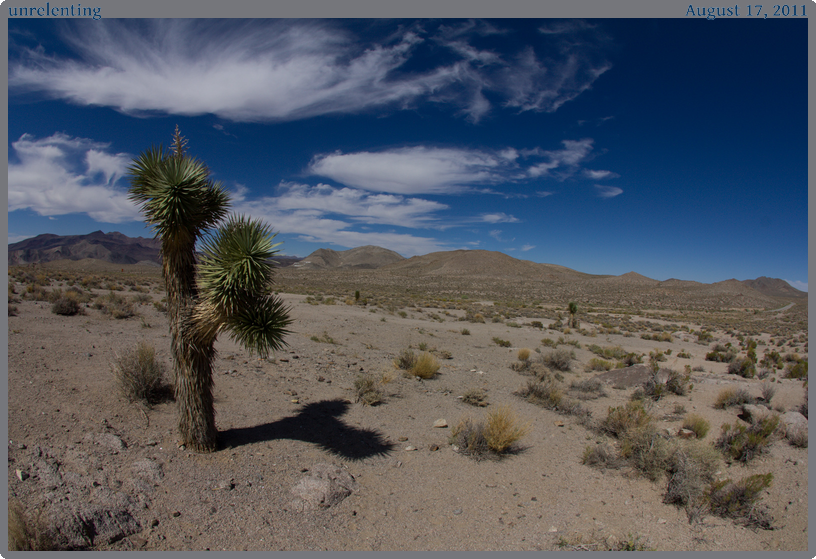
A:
x: 90, y: 470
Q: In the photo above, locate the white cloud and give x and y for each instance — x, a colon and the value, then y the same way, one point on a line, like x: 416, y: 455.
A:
x: 800, y: 285
x: 597, y: 175
x: 525, y: 248
x: 416, y: 170
x: 246, y: 70
x: 566, y: 160
x: 608, y: 191
x: 60, y: 175
x: 362, y: 207
x: 499, y: 217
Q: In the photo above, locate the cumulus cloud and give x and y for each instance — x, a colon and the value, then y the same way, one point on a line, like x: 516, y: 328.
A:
x: 313, y: 224
x: 608, y: 191
x: 360, y: 206
x: 247, y: 70
x: 61, y: 174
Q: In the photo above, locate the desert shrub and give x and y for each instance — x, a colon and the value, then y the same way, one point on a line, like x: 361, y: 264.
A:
x: 742, y: 367
x: 35, y: 293
x: 697, y: 424
x: 405, y: 361
x: 596, y: 364
x: 646, y: 448
x: 502, y: 429
x: 115, y: 305
x: 140, y: 377
x: 797, y: 370
x: 677, y: 383
x: 588, y: 389
x: 497, y: 434
x: 476, y: 318
x: 523, y: 354
x: 549, y: 342
x: 465, y: 332
x: 731, y: 396
x: 545, y: 392
x: 469, y: 437
x: 721, y: 354
x: 368, y: 390
x: 324, y: 339
x: 501, y: 343
x: 768, y: 391
x: 66, y: 306
x: 631, y: 416
x: 559, y: 359
x: 602, y: 456
x: 691, y: 470
x: 403, y: 314
x: 26, y: 534
x: 475, y: 397
x: 738, y: 500
x: 425, y: 366
x: 741, y: 443
x: 160, y: 306
x: 142, y: 298
x: 684, y: 354
x: 537, y: 324
x: 610, y: 543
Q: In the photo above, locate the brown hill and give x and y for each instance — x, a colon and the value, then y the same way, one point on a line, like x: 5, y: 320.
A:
x: 362, y: 258
x: 481, y: 263
x: 110, y: 247
x: 774, y: 287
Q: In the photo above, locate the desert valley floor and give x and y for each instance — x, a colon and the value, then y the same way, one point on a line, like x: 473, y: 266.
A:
x: 99, y: 472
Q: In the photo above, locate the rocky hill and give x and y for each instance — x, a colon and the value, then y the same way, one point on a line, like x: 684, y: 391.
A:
x: 774, y: 287
x: 110, y: 247
x: 362, y: 258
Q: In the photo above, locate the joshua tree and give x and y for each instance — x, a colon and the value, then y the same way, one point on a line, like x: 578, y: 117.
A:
x: 573, y: 310
x: 227, y: 287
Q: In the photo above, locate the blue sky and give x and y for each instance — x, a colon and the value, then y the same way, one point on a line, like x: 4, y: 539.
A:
x: 676, y: 148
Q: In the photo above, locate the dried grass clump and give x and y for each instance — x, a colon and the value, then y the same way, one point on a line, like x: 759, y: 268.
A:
x: 742, y: 367
x: 559, y: 359
x: 425, y: 366
x: 140, y: 377
x: 25, y: 534
x: 497, y: 435
x: 738, y: 500
x: 768, y: 391
x: 596, y: 364
x: 475, y: 397
x: 523, y: 354
x: 731, y: 396
x: 691, y: 470
x: 698, y: 424
x: 545, y: 393
x: 602, y: 456
x: 67, y: 305
x: 588, y: 389
x: 626, y: 418
x: 115, y: 305
x: 368, y: 390
x: 742, y: 443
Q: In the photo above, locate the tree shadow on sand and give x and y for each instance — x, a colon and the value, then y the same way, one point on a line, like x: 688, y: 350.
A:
x: 316, y: 423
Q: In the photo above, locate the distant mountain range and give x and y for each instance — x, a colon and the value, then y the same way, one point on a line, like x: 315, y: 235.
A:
x: 121, y: 249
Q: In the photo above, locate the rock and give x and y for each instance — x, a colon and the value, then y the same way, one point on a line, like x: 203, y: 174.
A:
x: 79, y: 525
x: 434, y: 447
x: 793, y: 418
x: 753, y: 413
x: 326, y: 485
x: 410, y: 448
x: 21, y: 475
x: 686, y: 434
x: 440, y: 424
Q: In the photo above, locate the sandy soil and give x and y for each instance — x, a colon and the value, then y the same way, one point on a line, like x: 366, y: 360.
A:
x: 279, y: 418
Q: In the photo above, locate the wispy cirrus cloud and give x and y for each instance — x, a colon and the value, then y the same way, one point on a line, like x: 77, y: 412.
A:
x: 246, y: 70
x: 608, y: 191
x: 61, y: 174
x: 418, y: 170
